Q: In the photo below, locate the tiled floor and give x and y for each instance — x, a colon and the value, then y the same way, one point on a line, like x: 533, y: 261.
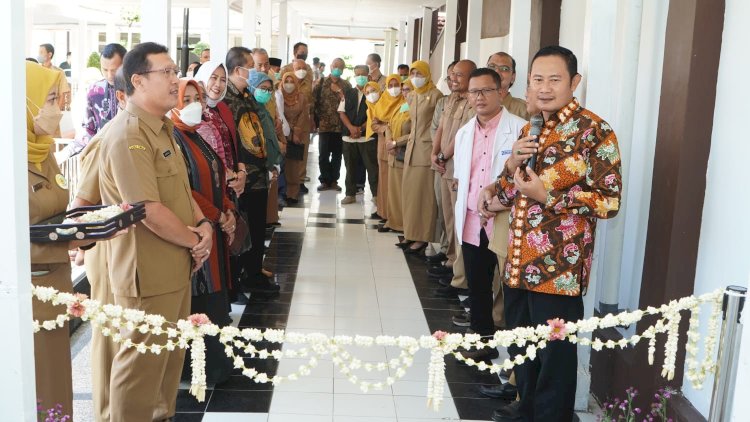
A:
x: 337, y: 276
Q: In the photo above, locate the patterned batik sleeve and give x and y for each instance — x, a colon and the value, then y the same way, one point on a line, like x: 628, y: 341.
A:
x: 598, y: 192
x: 89, y: 124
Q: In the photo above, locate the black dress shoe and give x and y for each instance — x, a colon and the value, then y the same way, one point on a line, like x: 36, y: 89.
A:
x: 404, y: 245
x: 303, y: 188
x: 416, y: 251
x: 440, y: 271
x: 375, y: 215
x: 292, y: 201
x: 448, y: 291
x: 383, y: 229
x: 503, y: 391
x: 508, y: 413
x: 437, y: 258
x: 486, y: 354
x: 445, y: 281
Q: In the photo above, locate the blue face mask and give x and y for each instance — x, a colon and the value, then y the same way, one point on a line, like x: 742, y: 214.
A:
x: 262, y: 96
x: 404, y: 108
x: 360, y: 80
x: 336, y: 72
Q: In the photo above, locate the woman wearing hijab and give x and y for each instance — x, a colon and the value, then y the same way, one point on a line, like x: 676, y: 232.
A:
x: 378, y: 117
x: 297, y: 113
x: 396, y: 137
x: 208, y: 183
x: 418, y: 197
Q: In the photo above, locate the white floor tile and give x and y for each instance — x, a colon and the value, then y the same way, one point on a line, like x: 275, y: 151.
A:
x: 307, y: 384
x: 344, y: 386
x: 302, y: 403
x: 297, y: 418
x: 362, y: 419
x: 416, y: 407
x: 312, y: 322
x: 235, y: 417
x: 363, y: 404
x: 311, y: 309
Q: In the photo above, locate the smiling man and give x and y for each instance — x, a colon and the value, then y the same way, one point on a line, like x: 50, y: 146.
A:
x: 505, y: 66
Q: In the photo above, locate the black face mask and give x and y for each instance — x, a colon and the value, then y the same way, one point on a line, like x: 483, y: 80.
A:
x: 302, y: 56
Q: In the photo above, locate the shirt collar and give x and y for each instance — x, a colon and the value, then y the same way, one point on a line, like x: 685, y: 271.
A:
x: 564, y: 113
x: 155, y: 123
x: 492, y: 124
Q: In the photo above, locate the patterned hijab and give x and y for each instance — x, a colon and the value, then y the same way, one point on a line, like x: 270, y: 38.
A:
x: 39, y: 81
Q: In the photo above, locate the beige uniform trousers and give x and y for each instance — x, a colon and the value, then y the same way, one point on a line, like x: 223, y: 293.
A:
x: 448, y: 197
x: 499, y: 245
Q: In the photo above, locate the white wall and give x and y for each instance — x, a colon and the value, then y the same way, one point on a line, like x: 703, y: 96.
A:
x: 487, y: 47
x: 723, y: 250
x: 572, y: 24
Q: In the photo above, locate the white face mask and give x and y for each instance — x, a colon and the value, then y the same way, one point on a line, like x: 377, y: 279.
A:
x: 395, y: 91
x: 191, y: 114
x: 289, y: 88
x: 47, y: 120
x: 373, y: 97
x: 418, y: 82
x: 300, y: 74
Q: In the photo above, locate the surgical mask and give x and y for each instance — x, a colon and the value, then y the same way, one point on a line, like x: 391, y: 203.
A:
x: 373, y: 97
x: 262, y: 96
x: 360, y: 80
x: 418, y: 82
x: 302, y: 56
x: 336, y: 72
x: 289, y: 88
x: 41, y: 59
x: 300, y: 74
x: 404, y: 108
x: 191, y: 114
x: 47, y: 120
x: 277, y: 75
x: 395, y: 91
x: 404, y: 78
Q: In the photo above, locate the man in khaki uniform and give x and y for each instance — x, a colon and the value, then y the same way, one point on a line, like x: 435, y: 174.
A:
x: 150, y: 267
x: 505, y: 66
x: 103, y: 350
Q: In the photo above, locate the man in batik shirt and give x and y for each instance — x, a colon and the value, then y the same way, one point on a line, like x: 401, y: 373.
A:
x: 101, y: 101
x: 555, y: 206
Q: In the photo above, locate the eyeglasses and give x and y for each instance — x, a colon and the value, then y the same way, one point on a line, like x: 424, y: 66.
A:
x: 475, y: 92
x: 167, y: 71
x: 497, y: 68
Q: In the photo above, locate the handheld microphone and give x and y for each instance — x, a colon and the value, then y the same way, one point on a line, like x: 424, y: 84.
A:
x: 537, y: 121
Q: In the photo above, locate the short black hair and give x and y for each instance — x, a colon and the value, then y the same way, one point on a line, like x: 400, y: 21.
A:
x: 555, y: 50
x: 316, y: 60
x: 403, y: 66
x: 196, y: 68
x: 375, y: 57
x: 121, y: 84
x: 236, y: 58
x: 136, y: 62
x: 453, y: 63
x: 49, y: 48
x: 504, y: 54
x: 110, y: 50
x: 31, y: 59
x: 298, y: 45
x: 485, y: 71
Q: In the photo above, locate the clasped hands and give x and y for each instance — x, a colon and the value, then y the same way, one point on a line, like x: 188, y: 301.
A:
x: 202, y: 250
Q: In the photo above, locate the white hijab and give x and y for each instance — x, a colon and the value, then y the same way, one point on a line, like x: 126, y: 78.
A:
x: 204, y: 74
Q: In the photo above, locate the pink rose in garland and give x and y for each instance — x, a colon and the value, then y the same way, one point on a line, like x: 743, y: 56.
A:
x: 76, y: 309
x: 439, y: 335
x: 558, y: 329
x: 199, y: 319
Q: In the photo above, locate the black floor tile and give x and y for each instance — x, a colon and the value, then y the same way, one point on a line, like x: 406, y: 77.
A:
x: 275, y: 321
x: 477, y: 409
x: 187, y: 403
x: 243, y: 383
x: 322, y: 215
x: 322, y: 225
x: 350, y: 220
x: 188, y: 417
x: 468, y: 390
x: 267, y: 308
x: 240, y: 401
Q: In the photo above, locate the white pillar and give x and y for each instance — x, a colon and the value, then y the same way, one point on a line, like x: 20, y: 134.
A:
x: 249, y: 22
x: 518, y: 43
x: 112, y: 33
x: 409, y: 44
x: 266, y: 22
x: 283, y: 31
x: 424, y: 49
x: 473, y: 31
x: 17, y: 354
x: 449, y: 33
x: 401, y: 53
x: 295, y: 26
x: 387, y: 65
x: 219, y: 28
x: 83, y: 47
x: 156, y: 22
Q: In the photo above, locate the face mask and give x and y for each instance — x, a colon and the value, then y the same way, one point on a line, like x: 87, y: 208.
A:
x: 262, y: 96
x: 41, y: 59
x: 373, y: 97
x: 189, y: 74
x: 418, y: 82
x: 191, y: 114
x: 302, y: 56
x: 360, y: 80
x: 336, y: 72
x: 48, y: 120
x: 404, y: 108
x: 289, y: 88
x: 404, y: 78
x: 300, y: 74
x: 395, y: 91
x: 277, y: 75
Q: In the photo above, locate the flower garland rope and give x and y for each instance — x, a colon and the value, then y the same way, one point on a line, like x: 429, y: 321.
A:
x: 190, y: 333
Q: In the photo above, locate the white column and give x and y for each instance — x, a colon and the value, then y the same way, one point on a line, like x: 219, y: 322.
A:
x: 387, y: 65
x: 17, y: 354
x: 219, y: 28
x: 295, y: 26
x: 401, y: 53
x: 112, y: 33
x: 424, y: 49
x: 284, y: 31
x: 518, y: 43
x: 83, y: 47
x: 156, y: 22
x: 473, y: 31
x: 409, y: 45
x: 449, y: 33
x: 249, y: 23
x: 266, y: 22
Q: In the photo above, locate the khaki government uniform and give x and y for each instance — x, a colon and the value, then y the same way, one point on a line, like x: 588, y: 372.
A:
x: 298, y: 116
x: 516, y: 106
x: 103, y: 349
x: 140, y: 161
x: 395, y: 179
x: 418, y: 200
x: 306, y: 87
x: 50, y: 267
x: 499, y: 245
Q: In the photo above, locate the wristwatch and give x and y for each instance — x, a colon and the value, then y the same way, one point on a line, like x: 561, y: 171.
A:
x: 441, y: 157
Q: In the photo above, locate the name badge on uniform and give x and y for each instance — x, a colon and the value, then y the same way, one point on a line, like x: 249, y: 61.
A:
x: 167, y: 153
x: 61, y: 181
x: 506, y: 151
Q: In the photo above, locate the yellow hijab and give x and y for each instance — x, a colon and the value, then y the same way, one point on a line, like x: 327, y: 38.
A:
x: 371, y: 107
x: 388, y: 105
x: 423, y: 68
x: 39, y: 80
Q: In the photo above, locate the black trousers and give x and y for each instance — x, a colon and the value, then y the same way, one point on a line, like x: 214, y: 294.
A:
x: 367, y: 154
x: 254, y: 203
x: 329, y: 159
x: 479, y: 264
x: 547, y: 385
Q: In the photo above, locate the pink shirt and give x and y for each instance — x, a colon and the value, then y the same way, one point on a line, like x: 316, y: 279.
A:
x: 481, y: 167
